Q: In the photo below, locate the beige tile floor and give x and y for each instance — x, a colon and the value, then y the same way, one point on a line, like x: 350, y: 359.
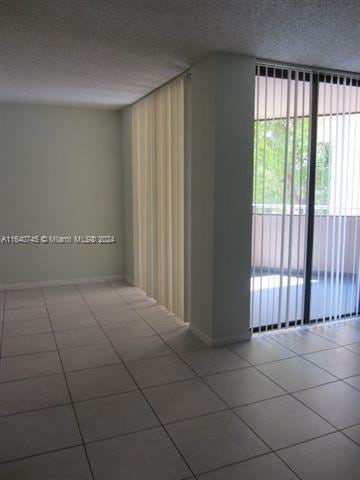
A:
x: 99, y: 382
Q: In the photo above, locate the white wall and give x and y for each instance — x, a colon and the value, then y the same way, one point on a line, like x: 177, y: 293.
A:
x: 61, y: 173
x: 222, y: 122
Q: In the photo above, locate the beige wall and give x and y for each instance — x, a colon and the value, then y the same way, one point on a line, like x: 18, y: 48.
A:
x: 126, y: 149
x: 61, y: 173
x: 202, y: 193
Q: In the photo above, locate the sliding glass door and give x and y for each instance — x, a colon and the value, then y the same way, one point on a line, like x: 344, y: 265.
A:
x: 281, y: 167
x: 305, y: 254
x: 336, y: 236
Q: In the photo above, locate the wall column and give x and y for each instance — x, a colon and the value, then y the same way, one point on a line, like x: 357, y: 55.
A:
x: 222, y: 130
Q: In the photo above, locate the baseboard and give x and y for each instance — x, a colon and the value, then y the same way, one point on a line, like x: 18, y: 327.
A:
x: 59, y: 283
x: 129, y: 280
x: 219, y: 341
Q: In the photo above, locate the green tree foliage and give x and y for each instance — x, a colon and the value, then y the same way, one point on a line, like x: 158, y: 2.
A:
x: 282, y: 151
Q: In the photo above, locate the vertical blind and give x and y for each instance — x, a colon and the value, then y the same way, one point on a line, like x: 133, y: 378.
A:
x: 281, y: 158
x: 158, y: 195
x: 336, y: 254
x: 306, y: 201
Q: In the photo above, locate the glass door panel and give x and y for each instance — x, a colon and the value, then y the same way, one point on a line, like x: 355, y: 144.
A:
x: 336, y: 243
x: 280, y: 195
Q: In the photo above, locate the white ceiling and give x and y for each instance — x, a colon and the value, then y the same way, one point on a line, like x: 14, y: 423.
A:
x: 112, y: 52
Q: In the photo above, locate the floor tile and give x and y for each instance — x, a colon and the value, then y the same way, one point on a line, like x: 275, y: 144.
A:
x: 213, y: 360
x: 101, y: 381
x: 94, y: 288
x: 295, y: 374
x: 60, y: 290
x: 214, y: 441
x: 283, y: 421
x: 71, y: 322
x: 115, y: 415
x: 25, y: 301
x: 39, y: 431
x: 98, y: 303
x: 181, y: 400
x: 24, y: 292
x: 338, y: 361
x: 140, y: 348
x: 260, y: 350
x: 117, y: 316
x: 302, y: 341
x: 354, y: 322
x: 354, y: 381
x: 27, y: 327
x: 73, y: 298
x: 69, y: 464
x: 152, y: 310
x: 353, y: 433
x: 25, y: 344
x: 54, y: 303
x: 33, y: 394
x: 62, y: 298
x: 155, y: 371
x: 210, y: 436
x: 243, y: 386
x: 144, y: 455
x: 101, y: 297
x: 29, y: 313
x: 136, y: 329
x: 337, y: 402
x: 182, y: 340
x: 117, y: 304
x: 354, y: 347
x: 146, y: 308
x: 88, y: 357
x: 162, y: 326
x: 266, y: 467
x: 34, y: 365
x: 338, y: 332
x: 60, y: 309
x: 332, y: 457
x: 80, y: 337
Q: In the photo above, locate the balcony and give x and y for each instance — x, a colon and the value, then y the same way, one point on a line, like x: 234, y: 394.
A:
x: 277, y: 286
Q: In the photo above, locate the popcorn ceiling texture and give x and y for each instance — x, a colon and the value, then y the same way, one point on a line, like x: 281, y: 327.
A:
x: 109, y: 53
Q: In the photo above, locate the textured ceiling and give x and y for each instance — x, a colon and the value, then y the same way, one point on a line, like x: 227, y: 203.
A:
x: 112, y: 52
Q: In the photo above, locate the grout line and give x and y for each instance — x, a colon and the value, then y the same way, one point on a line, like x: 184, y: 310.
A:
x: 301, y: 390
x: 198, y: 376
x: 347, y: 436
x: 57, y: 373
x: 296, y: 444
x: 148, y: 403
x: 201, y: 378
x: 293, y: 396
x: 31, y: 410
x: 23, y: 307
x: 40, y: 454
x: 56, y: 349
x: 352, y: 351
x: 304, y: 357
x: 69, y: 391
x: 47, y: 331
x: 289, y: 393
x: 121, y: 435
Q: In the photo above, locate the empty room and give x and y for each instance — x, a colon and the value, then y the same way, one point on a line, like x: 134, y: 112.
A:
x: 179, y: 239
